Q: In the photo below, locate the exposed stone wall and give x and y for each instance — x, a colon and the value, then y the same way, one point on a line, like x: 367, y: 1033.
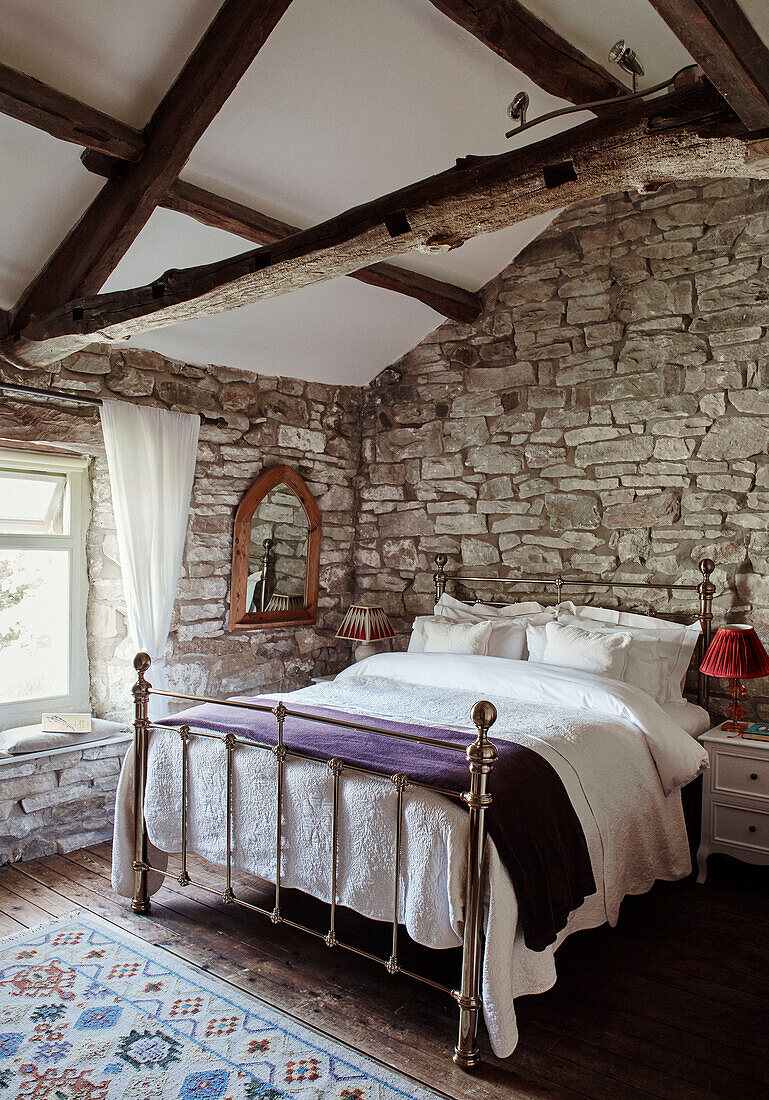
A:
x: 58, y: 801
x: 606, y: 415
x: 249, y: 423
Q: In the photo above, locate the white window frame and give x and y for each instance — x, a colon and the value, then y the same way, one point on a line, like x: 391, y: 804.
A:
x: 75, y: 467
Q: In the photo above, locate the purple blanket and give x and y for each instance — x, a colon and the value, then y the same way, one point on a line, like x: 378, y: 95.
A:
x: 531, y: 819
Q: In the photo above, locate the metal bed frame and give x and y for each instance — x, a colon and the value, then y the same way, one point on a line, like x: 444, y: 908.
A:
x: 481, y: 756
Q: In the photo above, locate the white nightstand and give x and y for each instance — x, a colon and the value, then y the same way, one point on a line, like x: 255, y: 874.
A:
x: 735, y: 800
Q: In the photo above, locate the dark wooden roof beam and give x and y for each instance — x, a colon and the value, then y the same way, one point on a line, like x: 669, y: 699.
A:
x: 517, y: 35
x: 29, y: 100
x: 105, y: 232
x: 110, y: 144
x: 721, y: 39
x: 688, y: 133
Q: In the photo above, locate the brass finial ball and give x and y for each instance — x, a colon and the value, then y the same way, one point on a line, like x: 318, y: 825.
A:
x: 142, y: 662
x: 484, y: 714
x: 707, y: 565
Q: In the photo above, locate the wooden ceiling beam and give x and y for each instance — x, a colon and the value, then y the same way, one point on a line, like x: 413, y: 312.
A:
x: 688, y: 133
x: 105, y: 232
x: 722, y: 40
x: 64, y: 117
x: 109, y: 143
x: 513, y: 32
x: 242, y: 221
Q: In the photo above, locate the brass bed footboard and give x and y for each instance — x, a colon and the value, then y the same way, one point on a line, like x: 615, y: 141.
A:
x: 481, y: 755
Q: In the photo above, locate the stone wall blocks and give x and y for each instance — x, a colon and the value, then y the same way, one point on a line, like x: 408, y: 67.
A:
x: 421, y: 442
x: 585, y: 372
x: 460, y: 434
x: 470, y: 524
x: 448, y: 507
x: 538, y: 455
x: 589, y: 435
x: 515, y: 373
x: 533, y: 559
x: 674, y: 449
x: 648, y: 511
x: 623, y: 450
x: 736, y: 437
x: 475, y: 552
x: 750, y: 401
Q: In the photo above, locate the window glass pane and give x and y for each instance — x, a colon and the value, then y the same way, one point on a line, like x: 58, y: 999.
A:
x: 34, y: 624
x: 32, y: 504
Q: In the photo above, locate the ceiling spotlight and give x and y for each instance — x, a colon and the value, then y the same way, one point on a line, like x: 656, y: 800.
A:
x: 627, y: 59
x: 518, y: 108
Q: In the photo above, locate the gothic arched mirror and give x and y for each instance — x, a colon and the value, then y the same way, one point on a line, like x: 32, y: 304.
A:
x: 275, y: 553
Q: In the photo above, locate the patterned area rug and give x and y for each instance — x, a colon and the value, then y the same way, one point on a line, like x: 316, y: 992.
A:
x: 90, y: 1012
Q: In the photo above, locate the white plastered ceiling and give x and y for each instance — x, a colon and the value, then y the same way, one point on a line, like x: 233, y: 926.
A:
x: 348, y: 100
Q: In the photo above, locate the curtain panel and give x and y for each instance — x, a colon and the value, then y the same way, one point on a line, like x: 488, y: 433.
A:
x: 151, y: 457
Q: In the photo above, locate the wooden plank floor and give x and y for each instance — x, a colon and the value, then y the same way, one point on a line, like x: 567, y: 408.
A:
x: 674, y: 1002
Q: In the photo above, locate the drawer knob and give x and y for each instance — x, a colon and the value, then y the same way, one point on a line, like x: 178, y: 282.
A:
x: 751, y: 828
x: 753, y: 775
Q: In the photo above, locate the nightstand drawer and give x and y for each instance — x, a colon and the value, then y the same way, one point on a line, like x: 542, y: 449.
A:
x: 737, y: 774
x: 734, y: 825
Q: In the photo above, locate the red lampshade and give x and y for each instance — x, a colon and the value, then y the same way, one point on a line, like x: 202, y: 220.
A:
x: 365, y: 624
x: 736, y: 653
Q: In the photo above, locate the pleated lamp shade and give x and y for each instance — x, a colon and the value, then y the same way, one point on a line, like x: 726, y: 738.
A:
x: 281, y: 602
x: 365, y: 624
x: 736, y: 653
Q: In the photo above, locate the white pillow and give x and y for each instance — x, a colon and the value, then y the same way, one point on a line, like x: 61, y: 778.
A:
x: 417, y: 639
x: 475, y: 612
x: 536, y: 640
x: 507, y: 639
x: 586, y: 650
x: 645, y: 667
x: 677, y: 643
x: 445, y: 637
x: 508, y: 632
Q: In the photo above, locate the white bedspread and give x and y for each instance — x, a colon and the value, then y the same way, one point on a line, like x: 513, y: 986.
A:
x: 620, y: 757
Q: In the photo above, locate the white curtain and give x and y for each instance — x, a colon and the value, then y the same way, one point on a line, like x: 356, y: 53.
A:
x: 151, y: 457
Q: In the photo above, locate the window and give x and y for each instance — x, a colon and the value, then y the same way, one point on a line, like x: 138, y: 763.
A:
x: 44, y: 512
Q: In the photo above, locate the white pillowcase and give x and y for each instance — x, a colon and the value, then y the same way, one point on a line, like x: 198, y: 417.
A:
x: 602, y: 654
x: 508, y: 624
x: 644, y: 667
x: 475, y: 612
x: 447, y: 637
x: 677, y: 643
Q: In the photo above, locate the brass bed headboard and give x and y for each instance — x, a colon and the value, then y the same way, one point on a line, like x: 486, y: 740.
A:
x: 705, y: 591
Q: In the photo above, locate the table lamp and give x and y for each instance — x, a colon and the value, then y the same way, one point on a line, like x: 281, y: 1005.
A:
x: 365, y: 625
x: 735, y: 654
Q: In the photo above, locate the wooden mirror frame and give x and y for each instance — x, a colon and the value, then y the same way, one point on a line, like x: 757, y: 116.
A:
x: 240, y: 619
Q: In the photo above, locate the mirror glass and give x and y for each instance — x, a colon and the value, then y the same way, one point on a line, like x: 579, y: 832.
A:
x: 277, y: 553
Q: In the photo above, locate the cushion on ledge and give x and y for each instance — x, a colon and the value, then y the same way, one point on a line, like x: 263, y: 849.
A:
x: 446, y: 637
x: 24, y: 739
x: 586, y: 650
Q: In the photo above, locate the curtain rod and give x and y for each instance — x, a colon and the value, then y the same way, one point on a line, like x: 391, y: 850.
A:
x: 31, y: 391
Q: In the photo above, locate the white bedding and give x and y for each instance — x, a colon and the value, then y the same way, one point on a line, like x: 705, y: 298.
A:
x: 690, y: 717
x: 614, y: 748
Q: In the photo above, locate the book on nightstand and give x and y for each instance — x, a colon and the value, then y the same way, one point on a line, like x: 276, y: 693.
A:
x: 759, y: 731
